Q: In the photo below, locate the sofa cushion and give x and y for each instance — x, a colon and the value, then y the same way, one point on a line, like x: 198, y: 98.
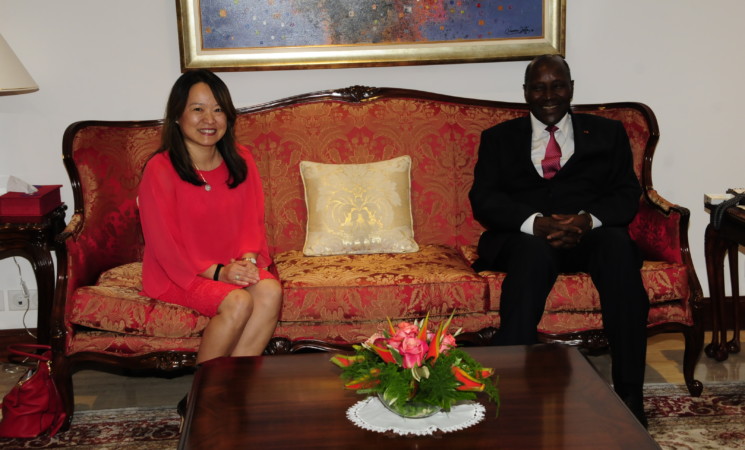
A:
x: 663, y: 281
x: 358, y: 208
x: 568, y: 322
x: 128, y: 345
x: 114, y: 304
x: 435, y: 280
x: 124, y: 276
x: 353, y: 331
x: 574, y: 305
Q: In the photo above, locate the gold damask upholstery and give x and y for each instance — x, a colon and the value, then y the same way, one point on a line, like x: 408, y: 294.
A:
x: 372, y: 287
x: 441, y: 137
x: 331, y: 301
x: 114, y: 304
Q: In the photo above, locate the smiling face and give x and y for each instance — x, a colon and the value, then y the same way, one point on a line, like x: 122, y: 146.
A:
x: 203, y: 122
x: 548, y: 89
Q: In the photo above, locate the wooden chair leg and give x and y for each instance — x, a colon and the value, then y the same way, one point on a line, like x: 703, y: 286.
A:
x: 694, y: 343
x: 733, y: 346
x: 714, y: 253
x: 63, y: 381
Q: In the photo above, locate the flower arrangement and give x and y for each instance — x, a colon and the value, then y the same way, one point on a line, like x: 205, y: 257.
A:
x: 413, y: 370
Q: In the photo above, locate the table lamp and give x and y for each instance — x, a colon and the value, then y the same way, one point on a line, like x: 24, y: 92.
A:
x: 14, y: 79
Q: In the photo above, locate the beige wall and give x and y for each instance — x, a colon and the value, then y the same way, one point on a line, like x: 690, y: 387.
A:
x: 116, y: 60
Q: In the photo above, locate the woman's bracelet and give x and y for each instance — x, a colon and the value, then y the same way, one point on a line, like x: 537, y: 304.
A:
x: 216, y: 276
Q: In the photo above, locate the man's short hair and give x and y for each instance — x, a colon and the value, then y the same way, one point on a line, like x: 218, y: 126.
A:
x: 541, y: 58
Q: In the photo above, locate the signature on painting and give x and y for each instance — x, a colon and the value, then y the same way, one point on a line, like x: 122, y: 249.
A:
x: 525, y: 30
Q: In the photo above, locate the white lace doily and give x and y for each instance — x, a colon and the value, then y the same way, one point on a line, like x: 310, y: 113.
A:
x: 370, y: 414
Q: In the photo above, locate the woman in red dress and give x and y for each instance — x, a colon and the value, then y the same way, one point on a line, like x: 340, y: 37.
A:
x: 202, y: 212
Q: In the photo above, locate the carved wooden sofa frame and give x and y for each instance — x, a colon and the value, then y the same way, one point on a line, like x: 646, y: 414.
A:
x: 104, y: 161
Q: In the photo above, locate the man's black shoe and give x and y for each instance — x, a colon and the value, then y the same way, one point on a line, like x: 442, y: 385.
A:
x: 636, y: 405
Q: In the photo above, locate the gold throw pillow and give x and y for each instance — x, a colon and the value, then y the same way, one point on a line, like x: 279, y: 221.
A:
x: 358, y: 208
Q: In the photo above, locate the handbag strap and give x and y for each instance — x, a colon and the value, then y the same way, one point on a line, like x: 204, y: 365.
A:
x: 26, y: 350
x: 718, y: 213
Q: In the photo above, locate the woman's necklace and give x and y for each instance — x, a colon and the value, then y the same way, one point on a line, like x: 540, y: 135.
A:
x: 207, y: 186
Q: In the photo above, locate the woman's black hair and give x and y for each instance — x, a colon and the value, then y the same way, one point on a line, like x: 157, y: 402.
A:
x: 172, y: 140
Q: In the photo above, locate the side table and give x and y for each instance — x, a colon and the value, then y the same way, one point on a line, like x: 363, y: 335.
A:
x: 34, y: 239
x: 718, y: 243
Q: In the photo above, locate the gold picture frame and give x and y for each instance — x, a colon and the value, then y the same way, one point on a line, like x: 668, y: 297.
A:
x: 195, y: 55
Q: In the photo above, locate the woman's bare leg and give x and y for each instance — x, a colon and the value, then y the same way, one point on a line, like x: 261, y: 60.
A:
x: 224, y: 330
x: 267, y: 303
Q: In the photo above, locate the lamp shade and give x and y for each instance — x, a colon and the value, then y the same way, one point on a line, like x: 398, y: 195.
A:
x: 14, y: 79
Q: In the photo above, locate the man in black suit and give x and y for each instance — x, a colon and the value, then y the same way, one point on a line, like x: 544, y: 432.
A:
x: 568, y: 213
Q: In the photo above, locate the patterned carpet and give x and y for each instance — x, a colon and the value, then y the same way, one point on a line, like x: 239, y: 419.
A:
x: 130, y: 428
x: 716, y: 420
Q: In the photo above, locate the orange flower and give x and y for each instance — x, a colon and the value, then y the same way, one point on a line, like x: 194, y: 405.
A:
x: 345, y: 360
x: 385, y: 354
x: 365, y: 382
x: 468, y: 382
x: 440, y: 342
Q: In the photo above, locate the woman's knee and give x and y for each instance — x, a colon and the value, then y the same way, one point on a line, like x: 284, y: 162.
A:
x: 237, y: 305
x: 267, y: 294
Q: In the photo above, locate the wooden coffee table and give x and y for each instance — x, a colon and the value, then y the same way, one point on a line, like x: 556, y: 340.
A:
x: 551, y: 398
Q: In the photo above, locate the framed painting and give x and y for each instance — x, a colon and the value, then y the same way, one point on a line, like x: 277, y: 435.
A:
x: 307, y: 34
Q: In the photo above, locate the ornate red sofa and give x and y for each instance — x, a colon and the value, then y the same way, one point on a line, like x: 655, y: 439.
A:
x: 331, y: 301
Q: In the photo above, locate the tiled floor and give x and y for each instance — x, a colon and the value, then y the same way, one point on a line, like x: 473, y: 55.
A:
x: 100, y: 390
x: 665, y: 363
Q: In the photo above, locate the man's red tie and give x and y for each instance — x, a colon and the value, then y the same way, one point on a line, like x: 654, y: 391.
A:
x: 552, y: 161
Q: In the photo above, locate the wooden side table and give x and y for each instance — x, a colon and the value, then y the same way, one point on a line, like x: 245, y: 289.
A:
x: 34, y: 239
x: 718, y: 243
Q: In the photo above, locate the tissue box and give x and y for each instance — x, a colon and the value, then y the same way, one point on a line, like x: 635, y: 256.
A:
x: 14, y: 205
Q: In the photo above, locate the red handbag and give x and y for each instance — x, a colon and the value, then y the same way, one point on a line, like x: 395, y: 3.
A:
x: 33, y: 405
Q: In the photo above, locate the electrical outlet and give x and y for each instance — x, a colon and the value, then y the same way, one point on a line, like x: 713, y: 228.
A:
x: 17, y: 301
x: 2, y: 300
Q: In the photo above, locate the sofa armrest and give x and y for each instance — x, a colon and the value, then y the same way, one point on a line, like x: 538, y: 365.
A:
x: 79, y: 255
x: 660, y: 229
x: 66, y: 281
x: 72, y: 228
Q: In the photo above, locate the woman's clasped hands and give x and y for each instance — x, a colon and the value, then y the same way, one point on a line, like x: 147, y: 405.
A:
x: 241, y: 272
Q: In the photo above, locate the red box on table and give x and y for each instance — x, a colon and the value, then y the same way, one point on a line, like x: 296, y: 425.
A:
x: 17, y: 206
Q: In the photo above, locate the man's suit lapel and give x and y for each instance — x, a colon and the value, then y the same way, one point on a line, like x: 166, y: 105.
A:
x: 581, y: 134
x: 582, y: 137
x: 523, y: 141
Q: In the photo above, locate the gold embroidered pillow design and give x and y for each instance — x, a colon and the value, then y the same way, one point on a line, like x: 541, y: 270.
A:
x: 358, y: 208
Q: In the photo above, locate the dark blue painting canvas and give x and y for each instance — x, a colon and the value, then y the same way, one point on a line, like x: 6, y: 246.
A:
x: 234, y: 24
